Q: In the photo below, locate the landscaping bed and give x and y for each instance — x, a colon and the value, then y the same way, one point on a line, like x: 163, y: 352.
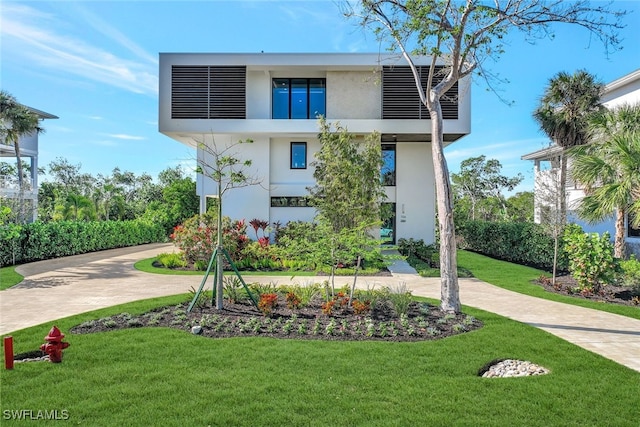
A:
x: 567, y: 285
x: 420, y: 322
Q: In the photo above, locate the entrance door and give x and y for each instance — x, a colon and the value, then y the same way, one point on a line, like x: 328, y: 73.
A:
x: 388, y: 227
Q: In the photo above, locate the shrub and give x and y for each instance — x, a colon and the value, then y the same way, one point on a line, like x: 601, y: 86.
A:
x: 630, y: 274
x: 268, y: 303
x: 518, y: 242
x: 38, y: 241
x: 197, y: 236
x: 591, y: 260
x: 172, y: 260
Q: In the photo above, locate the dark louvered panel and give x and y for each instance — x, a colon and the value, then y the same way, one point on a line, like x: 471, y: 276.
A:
x: 227, y: 92
x: 189, y: 92
x: 400, y: 99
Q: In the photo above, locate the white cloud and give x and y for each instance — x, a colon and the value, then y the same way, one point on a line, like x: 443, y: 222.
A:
x: 34, y: 36
x: 127, y: 137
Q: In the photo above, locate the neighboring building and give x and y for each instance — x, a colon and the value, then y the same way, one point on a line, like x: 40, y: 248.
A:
x: 29, y: 154
x: 625, y: 90
x: 274, y: 100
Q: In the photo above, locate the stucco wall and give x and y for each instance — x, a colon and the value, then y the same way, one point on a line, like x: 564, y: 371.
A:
x: 415, y: 192
x: 247, y: 202
x: 353, y: 95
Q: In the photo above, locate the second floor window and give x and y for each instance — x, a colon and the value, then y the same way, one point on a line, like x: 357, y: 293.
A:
x: 298, y: 98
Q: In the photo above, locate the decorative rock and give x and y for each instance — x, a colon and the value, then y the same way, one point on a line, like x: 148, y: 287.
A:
x: 196, y: 330
x: 33, y: 359
x: 514, y: 368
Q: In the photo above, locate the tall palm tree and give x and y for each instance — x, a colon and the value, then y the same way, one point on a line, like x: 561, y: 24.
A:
x: 17, y: 121
x: 566, y: 104
x: 609, y: 168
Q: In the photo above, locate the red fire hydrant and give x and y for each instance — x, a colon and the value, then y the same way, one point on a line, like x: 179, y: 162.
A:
x: 54, y: 345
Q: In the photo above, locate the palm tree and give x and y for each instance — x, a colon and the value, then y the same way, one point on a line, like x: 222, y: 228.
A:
x: 16, y: 121
x: 609, y: 169
x: 562, y: 115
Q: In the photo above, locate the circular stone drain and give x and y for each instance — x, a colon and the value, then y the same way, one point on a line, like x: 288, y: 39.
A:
x: 509, y: 368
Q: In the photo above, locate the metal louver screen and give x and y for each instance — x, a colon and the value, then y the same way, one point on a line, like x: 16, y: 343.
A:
x: 207, y: 92
x: 400, y: 99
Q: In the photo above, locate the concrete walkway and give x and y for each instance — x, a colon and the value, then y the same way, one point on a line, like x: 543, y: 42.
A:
x: 72, y: 285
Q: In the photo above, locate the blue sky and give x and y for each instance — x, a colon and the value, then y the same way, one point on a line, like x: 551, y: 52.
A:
x: 94, y: 64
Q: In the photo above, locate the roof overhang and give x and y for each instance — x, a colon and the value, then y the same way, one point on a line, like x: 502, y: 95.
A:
x: 545, y: 153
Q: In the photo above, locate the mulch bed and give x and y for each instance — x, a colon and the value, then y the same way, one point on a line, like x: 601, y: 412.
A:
x: 566, y: 285
x: 422, y: 322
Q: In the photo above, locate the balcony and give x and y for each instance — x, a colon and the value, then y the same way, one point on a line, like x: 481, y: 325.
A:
x: 9, y: 187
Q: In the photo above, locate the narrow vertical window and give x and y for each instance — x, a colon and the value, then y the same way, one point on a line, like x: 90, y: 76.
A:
x: 388, y: 170
x: 280, y: 98
x: 298, y: 155
x: 317, y: 97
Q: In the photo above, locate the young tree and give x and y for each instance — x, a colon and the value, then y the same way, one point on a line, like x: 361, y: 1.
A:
x: 463, y: 35
x: 17, y: 121
x: 347, y: 194
x: 609, y: 168
x: 348, y: 188
x: 222, y: 164
x: 566, y: 104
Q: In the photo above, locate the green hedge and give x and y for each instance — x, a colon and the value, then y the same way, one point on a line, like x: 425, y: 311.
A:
x: 39, y: 241
x: 518, y: 242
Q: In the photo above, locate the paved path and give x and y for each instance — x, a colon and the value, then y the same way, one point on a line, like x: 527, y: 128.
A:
x: 72, y: 285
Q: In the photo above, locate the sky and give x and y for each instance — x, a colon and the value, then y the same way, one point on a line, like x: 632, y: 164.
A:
x: 94, y: 64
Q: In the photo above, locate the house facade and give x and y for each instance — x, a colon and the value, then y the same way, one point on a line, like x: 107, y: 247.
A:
x: 274, y: 99
x: 625, y: 90
x: 9, y: 188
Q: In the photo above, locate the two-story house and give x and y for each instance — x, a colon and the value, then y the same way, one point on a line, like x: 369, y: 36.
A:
x: 9, y: 188
x: 274, y: 99
x: 625, y: 90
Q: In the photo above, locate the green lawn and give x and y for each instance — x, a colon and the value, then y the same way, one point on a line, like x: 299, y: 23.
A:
x: 518, y: 278
x: 9, y: 277
x: 159, y: 376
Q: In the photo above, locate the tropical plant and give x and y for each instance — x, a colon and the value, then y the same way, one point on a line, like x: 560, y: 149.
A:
x: 462, y: 37
x: 17, y: 121
x: 562, y: 115
x: 591, y: 260
x: 608, y: 169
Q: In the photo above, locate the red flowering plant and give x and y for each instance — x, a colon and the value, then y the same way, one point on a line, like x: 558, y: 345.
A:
x: 197, y: 236
x: 268, y: 303
x: 292, y: 300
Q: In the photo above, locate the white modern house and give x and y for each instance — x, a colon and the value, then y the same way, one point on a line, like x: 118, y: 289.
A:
x: 274, y: 99
x: 9, y: 188
x: 625, y: 90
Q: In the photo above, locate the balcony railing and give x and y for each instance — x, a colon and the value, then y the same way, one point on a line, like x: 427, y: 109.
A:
x: 10, y: 183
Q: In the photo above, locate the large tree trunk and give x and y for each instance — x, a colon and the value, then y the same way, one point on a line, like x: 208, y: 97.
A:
x: 449, y: 288
x: 618, y: 245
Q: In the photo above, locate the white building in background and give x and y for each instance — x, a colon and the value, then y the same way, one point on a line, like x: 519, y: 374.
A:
x: 274, y: 99
x: 9, y: 188
x: 625, y: 90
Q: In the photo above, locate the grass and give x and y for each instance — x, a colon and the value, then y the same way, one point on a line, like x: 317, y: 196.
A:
x: 9, y: 277
x: 160, y: 376
x: 519, y: 279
